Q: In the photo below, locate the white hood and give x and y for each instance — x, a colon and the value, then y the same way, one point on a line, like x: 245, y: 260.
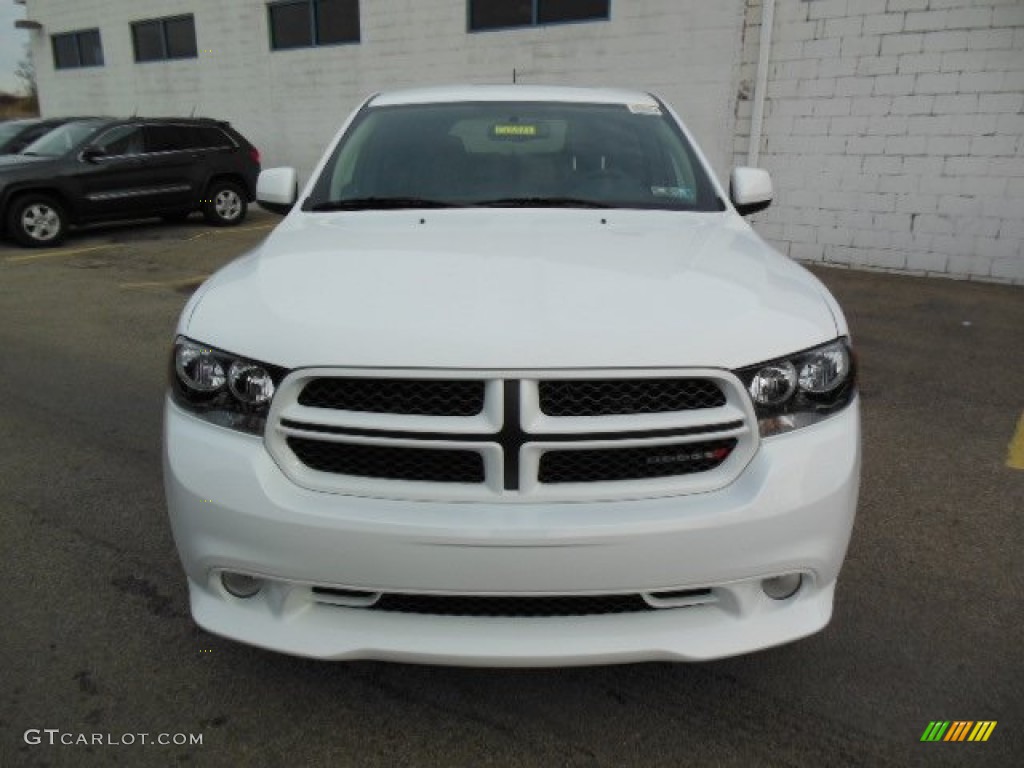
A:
x: 512, y: 289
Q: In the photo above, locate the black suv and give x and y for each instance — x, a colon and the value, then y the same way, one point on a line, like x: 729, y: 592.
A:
x: 102, y: 169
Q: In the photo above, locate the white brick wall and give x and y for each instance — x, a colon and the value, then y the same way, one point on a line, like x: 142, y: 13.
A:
x: 894, y: 129
x: 895, y: 133
x: 290, y: 103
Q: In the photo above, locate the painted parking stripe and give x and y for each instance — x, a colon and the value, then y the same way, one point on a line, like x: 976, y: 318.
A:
x: 59, y: 252
x: 165, y: 283
x: 227, y: 231
x: 246, y: 229
x: 1015, y: 454
x: 75, y: 251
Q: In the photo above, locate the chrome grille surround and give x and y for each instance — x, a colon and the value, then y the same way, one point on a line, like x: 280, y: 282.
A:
x: 511, y: 434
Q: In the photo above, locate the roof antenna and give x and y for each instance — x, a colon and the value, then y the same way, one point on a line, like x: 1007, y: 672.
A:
x: 193, y: 111
x: 513, y: 75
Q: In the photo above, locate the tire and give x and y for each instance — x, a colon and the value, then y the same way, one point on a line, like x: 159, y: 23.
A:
x: 224, y: 204
x: 37, y: 221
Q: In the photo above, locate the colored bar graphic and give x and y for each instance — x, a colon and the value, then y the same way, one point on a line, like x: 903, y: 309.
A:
x: 982, y: 730
x: 959, y: 730
x: 935, y: 730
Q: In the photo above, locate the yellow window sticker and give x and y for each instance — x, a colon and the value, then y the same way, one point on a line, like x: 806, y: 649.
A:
x: 515, y: 130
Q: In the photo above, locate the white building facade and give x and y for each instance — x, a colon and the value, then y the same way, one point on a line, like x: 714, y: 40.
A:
x: 894, y: 128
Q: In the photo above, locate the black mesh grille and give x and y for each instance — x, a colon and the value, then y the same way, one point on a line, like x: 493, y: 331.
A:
x: 392, y: 463
x: 475, y: 605
x: 418, y: 397
x: 609, y: 464
x: 609, y: 397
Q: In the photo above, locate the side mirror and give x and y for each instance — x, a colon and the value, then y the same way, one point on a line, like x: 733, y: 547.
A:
x: 92, y: 153
x: 277, y: 189
x: 750, y: 190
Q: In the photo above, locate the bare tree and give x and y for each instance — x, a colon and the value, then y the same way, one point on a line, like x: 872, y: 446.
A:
x: 26, y: 72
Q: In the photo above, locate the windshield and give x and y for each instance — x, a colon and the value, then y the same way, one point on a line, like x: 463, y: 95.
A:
x: 12, y: 129
x: 514, y: 154
x: 61, y: 140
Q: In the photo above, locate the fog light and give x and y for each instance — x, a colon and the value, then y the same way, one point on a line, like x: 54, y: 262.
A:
x: 240, y: 585
x: 781, y: 587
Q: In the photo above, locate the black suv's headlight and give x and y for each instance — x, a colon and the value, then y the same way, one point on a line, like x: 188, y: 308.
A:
x: 801, y: 389
x: 223, y: 388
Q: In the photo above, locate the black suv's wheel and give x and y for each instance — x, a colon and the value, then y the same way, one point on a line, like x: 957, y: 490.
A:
x: 37, y: 221
x: 225, y: 204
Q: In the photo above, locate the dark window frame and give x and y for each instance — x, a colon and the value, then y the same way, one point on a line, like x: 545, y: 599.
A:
x: 314, y: 26
x: 162, y: 22
x: 97, y: 140
x: 77, y: 36
x: 534, y: 19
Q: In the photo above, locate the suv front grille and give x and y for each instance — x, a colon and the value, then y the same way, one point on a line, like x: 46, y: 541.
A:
x: 609, y: 464
x: 480, y: 437
x: 426, y: 397
x: 392, y: 462
x: 608, y: 397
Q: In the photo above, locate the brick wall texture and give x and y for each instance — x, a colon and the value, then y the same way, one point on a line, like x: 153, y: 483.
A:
x: 894, y: 129
x: 292, y: 102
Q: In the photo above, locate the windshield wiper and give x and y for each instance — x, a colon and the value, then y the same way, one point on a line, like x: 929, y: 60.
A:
x: 380, y: 204
x: 540, y: 202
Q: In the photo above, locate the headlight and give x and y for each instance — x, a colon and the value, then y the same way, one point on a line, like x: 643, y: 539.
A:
x: 198, y: 368
x: 773, y: 384
x: 802, y: 389
x: 223, y: 388
x: 251, y: 383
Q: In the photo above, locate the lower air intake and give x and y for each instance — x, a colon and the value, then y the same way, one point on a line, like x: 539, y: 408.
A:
x: 536, y: 607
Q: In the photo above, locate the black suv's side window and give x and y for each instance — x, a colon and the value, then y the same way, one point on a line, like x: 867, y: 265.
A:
x: 213, y: 138
x: 122, y: 140
x: 168, y: 138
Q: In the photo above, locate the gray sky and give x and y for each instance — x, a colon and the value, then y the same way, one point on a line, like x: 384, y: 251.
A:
x: 12, y: 43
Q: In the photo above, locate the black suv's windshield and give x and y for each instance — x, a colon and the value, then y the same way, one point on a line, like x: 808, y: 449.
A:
x: 12, y: 129
x: 535, y: 154
x: 61, y: 140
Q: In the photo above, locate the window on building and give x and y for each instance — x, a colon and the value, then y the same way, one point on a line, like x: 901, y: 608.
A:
x: 305, y: 23
x: 160, y: 39
x: 501, y: 14
x: 77, y: 49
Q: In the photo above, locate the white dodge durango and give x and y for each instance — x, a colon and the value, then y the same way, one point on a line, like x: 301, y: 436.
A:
x: 513, y: 383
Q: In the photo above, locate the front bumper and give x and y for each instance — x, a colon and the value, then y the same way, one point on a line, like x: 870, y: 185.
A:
x: 791, y: 510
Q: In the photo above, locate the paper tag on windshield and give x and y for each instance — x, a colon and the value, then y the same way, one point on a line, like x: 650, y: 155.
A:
x: 645, y: 109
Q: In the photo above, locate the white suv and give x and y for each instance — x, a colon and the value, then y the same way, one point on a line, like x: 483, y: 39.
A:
x: 513, y: 383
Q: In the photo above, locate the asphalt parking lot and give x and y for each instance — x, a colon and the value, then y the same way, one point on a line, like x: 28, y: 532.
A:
x: 96, y: 636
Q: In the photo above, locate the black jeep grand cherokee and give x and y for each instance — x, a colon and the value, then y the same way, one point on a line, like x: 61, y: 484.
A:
x: 101, y: 169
